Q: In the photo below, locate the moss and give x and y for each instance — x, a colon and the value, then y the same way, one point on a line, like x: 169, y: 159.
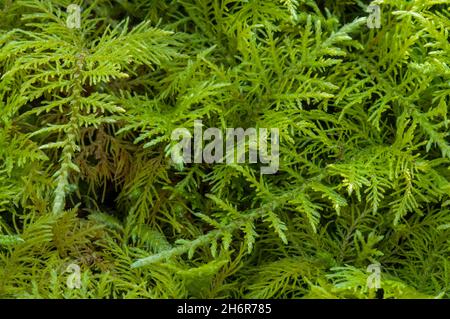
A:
x: 87, y: 175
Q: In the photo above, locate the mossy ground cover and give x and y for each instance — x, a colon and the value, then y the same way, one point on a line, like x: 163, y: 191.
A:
x: 88, y: 184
